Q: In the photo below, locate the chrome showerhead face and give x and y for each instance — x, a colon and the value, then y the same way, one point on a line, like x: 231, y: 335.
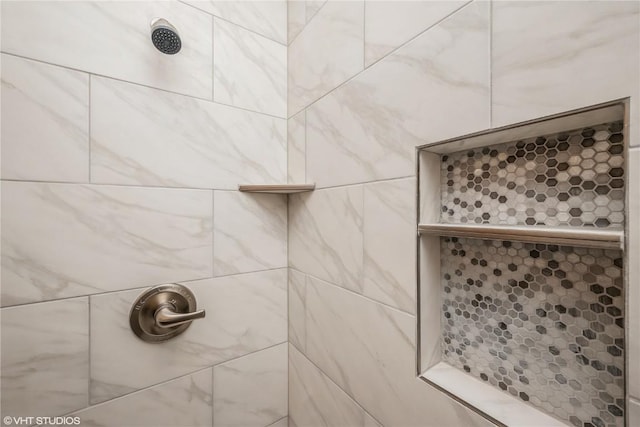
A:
x: 165, y: 37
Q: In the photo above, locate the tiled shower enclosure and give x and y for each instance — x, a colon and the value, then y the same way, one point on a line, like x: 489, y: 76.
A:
x: 543, y: 322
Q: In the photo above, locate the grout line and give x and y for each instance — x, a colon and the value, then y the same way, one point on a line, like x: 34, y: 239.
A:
x: 138, y: 288
x: 233, y: 23
x: 89, y: 350
x: 213, y: 407
x: 306, y: 23
x: 105, y: 184
x: 278, y: 420
x: 374, y: 181
x: 100, y: 184
x: 491, y: 65
x: 127, y: 395
x: 364, y: 35
x: 250, y: 353
x: 213, y: 233
x: 362, y: 233
x: 339, y: 388
x: 213, y: 59
x: 211, y: 101
x: 360, y: 295
x: 306, y: 175
x: 90, y: 140
x: 383, y: 57
x: 161, y: 383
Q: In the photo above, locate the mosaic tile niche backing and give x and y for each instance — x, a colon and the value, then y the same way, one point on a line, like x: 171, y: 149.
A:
x: 568, y: 179
x: 544, y: 323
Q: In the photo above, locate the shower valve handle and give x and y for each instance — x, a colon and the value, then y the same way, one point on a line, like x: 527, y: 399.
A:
x: 163, y: 312
x: 167, y: 317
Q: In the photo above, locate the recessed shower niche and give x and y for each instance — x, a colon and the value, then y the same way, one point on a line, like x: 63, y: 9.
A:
x: 522, y: 269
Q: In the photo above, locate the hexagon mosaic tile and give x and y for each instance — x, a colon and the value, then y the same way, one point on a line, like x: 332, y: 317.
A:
x: 543, y: 323
x: 573, y: 178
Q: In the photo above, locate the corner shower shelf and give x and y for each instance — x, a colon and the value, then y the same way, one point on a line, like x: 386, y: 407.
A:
x: 276, y: 188
x: 603, y: 238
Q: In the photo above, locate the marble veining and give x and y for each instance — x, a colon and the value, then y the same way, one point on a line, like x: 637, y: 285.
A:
x: 296, y: 149
x: 268, y: 18
x: 368, y: 350
x: 312, y: 7
x: 45, y: 122
x: 84, y: 239
x: 389, y: 24
x: 250, y: 71
x: 297, y: 307
x: 390, y: 249
x: 194, y: 143
x: 326, y: 53
x: 112, y: 39
x: 296, y: 18
x: 325, y: 235
x: 368, y: 128
x: 251, y: 391
x: 250, y: 232
x: 245, y: 313
x: 45, y: 361
x: 184, y: 402
x: 597, y: 41
x: 316, y: 401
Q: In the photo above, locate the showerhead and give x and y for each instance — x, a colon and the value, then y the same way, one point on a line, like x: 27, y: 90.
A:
x: 165, y: 37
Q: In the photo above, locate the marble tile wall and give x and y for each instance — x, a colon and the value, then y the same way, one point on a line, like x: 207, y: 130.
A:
x: 119, y: 172
x: 430, y: 71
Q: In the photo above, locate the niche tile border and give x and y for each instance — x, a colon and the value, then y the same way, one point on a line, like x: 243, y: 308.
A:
x: 515, y: 175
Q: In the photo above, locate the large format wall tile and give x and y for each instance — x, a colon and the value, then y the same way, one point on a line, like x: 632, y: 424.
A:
x: 268, y: 18
x: 283, y: 422
x: 251, y: 391
x: 595, y: 57
x: 634, y: 412
x: 184, y: 402
x: 297, y: 305
x: 250, y: 232
x: 113, y: 39
x: 45, y: 122
x: 312, y: 8
x: 325, y: 235
x: 368, y: 350
x: 244, y: 313
x: 296, y: 18
x: 390, y: 243
x: 296, y: 148
x: 299, y: 14
x: 326, y: 53
x: 316, y: 401
x: 148, y: 137
x: 250, y: 71
x: 63, y: 240
x: 431, y: 89
x: 389, y: 24
x: 45, y: 358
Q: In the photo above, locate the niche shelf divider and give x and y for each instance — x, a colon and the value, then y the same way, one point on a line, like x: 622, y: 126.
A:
x: 276, y: 188
x: 603, y: 238
x: 521, y: 280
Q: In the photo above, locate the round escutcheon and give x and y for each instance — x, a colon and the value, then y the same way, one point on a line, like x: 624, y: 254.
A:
x: 142, y: 318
